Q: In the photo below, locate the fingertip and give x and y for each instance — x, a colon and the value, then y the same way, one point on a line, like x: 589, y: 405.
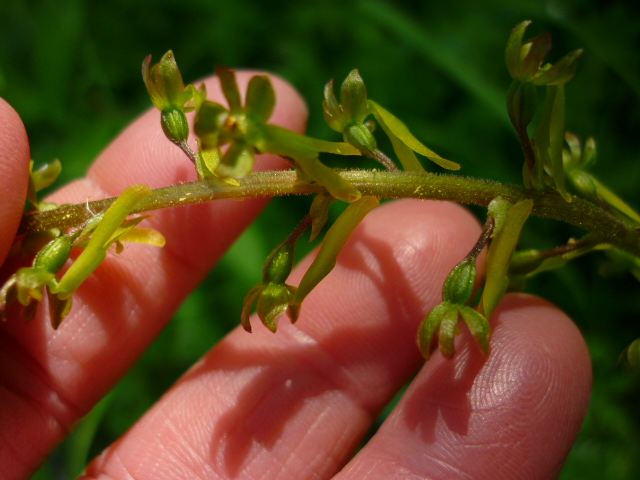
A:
x: 537, y: 384
x: 535, y: 337
x: 532, y: 335
x: 542, y: 329
x: 513, y: 414
x: 14, y: 173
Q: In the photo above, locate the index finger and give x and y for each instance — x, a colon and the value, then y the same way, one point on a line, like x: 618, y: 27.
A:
x: 56, y: 376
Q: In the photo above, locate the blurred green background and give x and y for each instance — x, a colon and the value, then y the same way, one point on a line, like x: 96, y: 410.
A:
x: 72, y: 71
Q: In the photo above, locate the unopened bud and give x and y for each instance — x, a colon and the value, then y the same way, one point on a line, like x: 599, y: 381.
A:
x: 53, y: 255
x: 175, y: 125
x: 458, y: 288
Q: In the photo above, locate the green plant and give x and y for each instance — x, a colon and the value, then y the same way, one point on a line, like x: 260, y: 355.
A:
x: 610, y: 223
x: 479, y: 192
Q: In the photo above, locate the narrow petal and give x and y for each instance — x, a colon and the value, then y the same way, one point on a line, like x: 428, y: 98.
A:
x: 513, y: 50
x: 478, y: 326
x: 333, y: 114
x: 398, y: 129
x: 230, y: 88
x: 261, y: 99
x: 429, y: 326
x: 353, y: 97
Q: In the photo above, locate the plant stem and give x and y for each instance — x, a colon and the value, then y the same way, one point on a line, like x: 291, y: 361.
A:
x: 548, y: 203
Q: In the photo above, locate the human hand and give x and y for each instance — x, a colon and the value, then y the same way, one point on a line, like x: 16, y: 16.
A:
x: 295, y: 404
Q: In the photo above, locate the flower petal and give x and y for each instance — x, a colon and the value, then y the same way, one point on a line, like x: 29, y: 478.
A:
x: 261, y: 99
x: 395, y: 128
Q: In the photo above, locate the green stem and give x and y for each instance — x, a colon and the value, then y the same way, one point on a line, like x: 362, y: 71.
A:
x: 548, y: 203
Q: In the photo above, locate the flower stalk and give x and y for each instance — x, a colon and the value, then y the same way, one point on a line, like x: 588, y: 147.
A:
x: 427, y: 186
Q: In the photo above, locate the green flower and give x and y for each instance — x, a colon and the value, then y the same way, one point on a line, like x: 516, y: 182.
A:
x: 272, y: 296
x: 348, y: 117
x: 445, y: 318
x: 445, y: 321
x: 245, y: 130
x: 577, y: 164
x: 525, y: 60
x: 168, y: 93
x: 27, y: 285
x: 41, y: 179
x: 164, y: 83
x: 238, y: 126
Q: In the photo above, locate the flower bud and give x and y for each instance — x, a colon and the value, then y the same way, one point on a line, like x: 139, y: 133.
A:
x: 279, y: 263
x: 522, y: 101
x: 53, y: 255
x: 458, y: 288
x: 353, y: 97
x: 174, y: 124
x: 358, y: 135
x: 164, y: 82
